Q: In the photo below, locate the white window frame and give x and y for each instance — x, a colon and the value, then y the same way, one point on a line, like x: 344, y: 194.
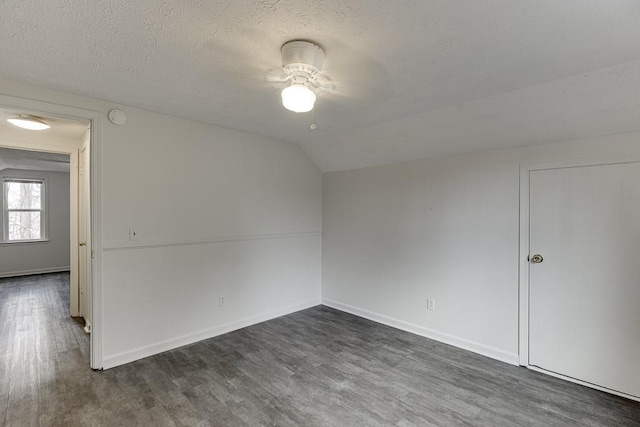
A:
x: 43, y: 209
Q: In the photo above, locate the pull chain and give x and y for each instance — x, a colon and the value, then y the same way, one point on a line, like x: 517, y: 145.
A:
x: 313, y: 126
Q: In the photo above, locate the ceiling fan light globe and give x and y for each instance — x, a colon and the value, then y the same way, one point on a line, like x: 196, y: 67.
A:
x: 298, y: 98
x: 28, y: 122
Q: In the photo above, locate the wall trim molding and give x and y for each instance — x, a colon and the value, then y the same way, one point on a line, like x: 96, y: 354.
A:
x: 171, y: 344
x: 582, y: 162
x: 123, y: 245
x: 475, y: 347
x: 36, y: 271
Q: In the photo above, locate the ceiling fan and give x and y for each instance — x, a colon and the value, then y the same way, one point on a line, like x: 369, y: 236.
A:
x: 302, y: 66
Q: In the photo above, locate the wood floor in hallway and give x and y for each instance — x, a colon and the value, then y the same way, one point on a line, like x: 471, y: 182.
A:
x: 318, y: 367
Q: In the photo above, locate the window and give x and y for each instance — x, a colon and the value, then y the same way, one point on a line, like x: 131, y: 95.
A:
x: 23, y: 210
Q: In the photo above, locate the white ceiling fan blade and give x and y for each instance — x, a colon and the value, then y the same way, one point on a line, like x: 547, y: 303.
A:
x: 277, y: 77
x: 322, y: 85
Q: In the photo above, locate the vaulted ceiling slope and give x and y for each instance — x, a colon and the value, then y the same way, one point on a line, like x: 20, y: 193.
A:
x: 412, y: 79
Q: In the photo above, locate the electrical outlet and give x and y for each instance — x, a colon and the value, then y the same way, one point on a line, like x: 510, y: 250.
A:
x: 221, y: 301
x: 431, y: 304
x: 133, y: 234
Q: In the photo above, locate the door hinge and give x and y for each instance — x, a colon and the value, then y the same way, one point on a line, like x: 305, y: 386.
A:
x: 93, y: 255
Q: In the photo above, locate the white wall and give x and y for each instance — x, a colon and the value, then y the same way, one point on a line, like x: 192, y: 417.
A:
x: 443, y: 228
x: 41, y: 257
x: 218, y: 213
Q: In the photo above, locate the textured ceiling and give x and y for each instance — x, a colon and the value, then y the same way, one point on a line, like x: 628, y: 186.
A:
x: 412, y: 78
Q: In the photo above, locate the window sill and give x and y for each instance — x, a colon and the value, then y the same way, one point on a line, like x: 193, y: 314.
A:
x: 24, y: 242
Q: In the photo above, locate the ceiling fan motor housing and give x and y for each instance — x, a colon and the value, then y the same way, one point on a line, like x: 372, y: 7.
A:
x: 302, y: 59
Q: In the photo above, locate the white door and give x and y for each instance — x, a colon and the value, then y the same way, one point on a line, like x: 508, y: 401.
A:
x: 84, y: 232
x: 584, y: 301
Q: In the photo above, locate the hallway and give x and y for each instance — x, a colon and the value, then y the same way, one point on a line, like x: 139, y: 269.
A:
x: 43, y: 351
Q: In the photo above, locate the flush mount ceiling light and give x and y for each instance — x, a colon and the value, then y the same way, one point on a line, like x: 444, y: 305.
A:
x: 302, y: 62
x: 28, y: 122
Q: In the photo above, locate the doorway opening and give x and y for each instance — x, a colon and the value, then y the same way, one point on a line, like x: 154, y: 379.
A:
x: 46, y: 207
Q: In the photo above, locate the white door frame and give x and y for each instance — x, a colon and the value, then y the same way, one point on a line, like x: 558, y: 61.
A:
x: 95, y: 118
x: 83, y: 303
x: 524, y: 265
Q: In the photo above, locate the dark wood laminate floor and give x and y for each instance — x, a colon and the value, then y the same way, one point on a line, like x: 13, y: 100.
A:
x: 318, y: 367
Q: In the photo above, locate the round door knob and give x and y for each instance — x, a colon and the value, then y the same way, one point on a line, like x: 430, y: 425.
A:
x: 536, y: 259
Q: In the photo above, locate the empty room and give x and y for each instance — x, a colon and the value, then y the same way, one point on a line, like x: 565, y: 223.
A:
x: 320, y: 213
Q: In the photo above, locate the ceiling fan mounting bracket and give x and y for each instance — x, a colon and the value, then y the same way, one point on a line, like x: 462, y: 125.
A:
x: 302, y: 59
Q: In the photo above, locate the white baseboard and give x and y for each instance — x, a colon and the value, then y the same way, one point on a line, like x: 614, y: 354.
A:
x: 36, y: 271
x: 462, y: 343
x: 150, y: 350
